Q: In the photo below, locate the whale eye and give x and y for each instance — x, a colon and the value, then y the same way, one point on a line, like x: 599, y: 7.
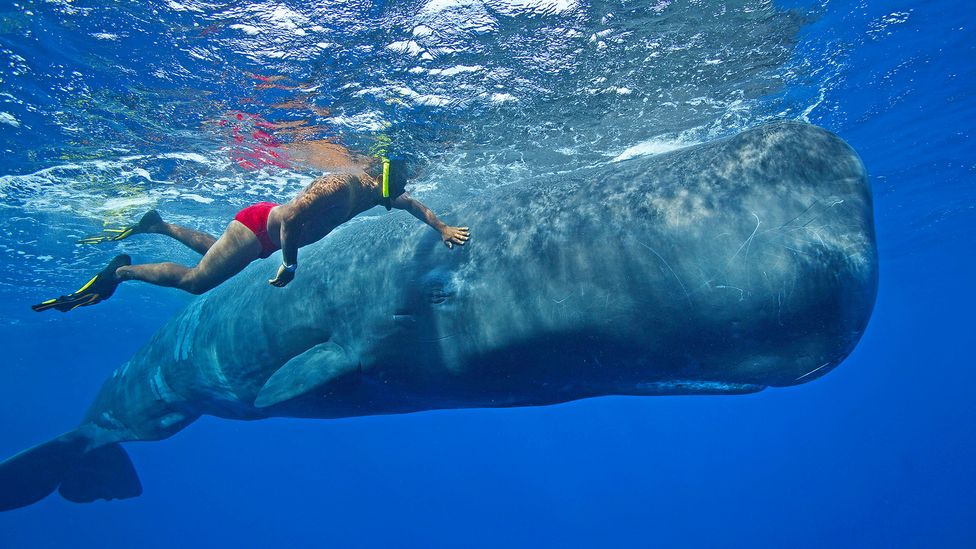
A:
x: 438, y: 286
x: 438, y: 295
x: 438, y: 292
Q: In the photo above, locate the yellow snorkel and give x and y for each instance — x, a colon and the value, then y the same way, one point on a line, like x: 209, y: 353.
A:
x: 386, y: 183
x: 394, y: 171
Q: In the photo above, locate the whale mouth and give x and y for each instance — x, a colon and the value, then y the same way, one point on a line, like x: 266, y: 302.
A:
x: 695, y: 387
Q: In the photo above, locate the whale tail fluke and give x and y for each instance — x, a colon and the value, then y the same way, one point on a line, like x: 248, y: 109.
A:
x: 104, y: 473
x: 68, y: 465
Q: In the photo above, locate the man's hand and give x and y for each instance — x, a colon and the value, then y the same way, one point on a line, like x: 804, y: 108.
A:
x: 283, y: 277
x: 454, y: 235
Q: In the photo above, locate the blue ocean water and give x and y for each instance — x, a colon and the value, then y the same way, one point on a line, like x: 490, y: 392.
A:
x: 108, y: 108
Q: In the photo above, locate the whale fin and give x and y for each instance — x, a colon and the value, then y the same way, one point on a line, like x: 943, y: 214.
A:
x: 104, y: 473
x: 306, y: 372
x: 33, y: 474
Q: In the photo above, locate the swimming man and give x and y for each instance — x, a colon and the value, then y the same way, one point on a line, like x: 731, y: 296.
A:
x: 261, y: 229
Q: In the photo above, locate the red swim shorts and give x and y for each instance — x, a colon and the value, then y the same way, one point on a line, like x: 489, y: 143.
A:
x: 255, y: 217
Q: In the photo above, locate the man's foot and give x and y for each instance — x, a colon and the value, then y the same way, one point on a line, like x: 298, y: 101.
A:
x: 149, y: 222
x: 98, y: 289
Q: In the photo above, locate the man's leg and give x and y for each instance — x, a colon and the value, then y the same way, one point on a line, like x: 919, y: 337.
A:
x: 151, y: 222
x: 233, y: 251
x: 197, y: 241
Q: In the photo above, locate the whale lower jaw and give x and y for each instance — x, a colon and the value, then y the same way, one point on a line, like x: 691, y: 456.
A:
x: 694, y: 387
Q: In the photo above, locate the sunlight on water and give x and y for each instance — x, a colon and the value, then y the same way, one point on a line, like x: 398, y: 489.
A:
x: 198, y: 108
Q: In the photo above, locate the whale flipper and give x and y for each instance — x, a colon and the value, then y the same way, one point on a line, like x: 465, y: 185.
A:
x: 306, y: 372
x: 83, y: 475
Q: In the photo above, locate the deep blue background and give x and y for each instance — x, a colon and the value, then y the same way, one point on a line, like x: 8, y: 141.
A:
x: 880, y: 452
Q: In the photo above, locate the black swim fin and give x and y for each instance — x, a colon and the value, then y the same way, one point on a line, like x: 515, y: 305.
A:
x: 98, y: 289
x: 149, y: 219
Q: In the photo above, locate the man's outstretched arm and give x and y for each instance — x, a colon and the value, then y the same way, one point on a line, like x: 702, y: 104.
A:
x: 450, y: 235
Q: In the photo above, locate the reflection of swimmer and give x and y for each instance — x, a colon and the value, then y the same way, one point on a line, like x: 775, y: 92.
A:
x: 321, y: 155
x: 260, y: 229
x: 253, y: 147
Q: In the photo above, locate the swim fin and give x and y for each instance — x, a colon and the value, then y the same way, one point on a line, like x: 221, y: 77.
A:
x: 98, y: 289
x: 115, y: 234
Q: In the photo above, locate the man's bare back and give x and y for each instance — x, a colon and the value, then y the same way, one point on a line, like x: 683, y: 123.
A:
x: 332, y: 200
x: 326, y: 203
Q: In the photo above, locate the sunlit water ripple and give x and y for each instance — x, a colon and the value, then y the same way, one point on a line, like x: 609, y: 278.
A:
x: 197, y: 108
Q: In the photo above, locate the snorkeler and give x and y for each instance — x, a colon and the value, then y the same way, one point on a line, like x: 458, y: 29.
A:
x: 259, y: 230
